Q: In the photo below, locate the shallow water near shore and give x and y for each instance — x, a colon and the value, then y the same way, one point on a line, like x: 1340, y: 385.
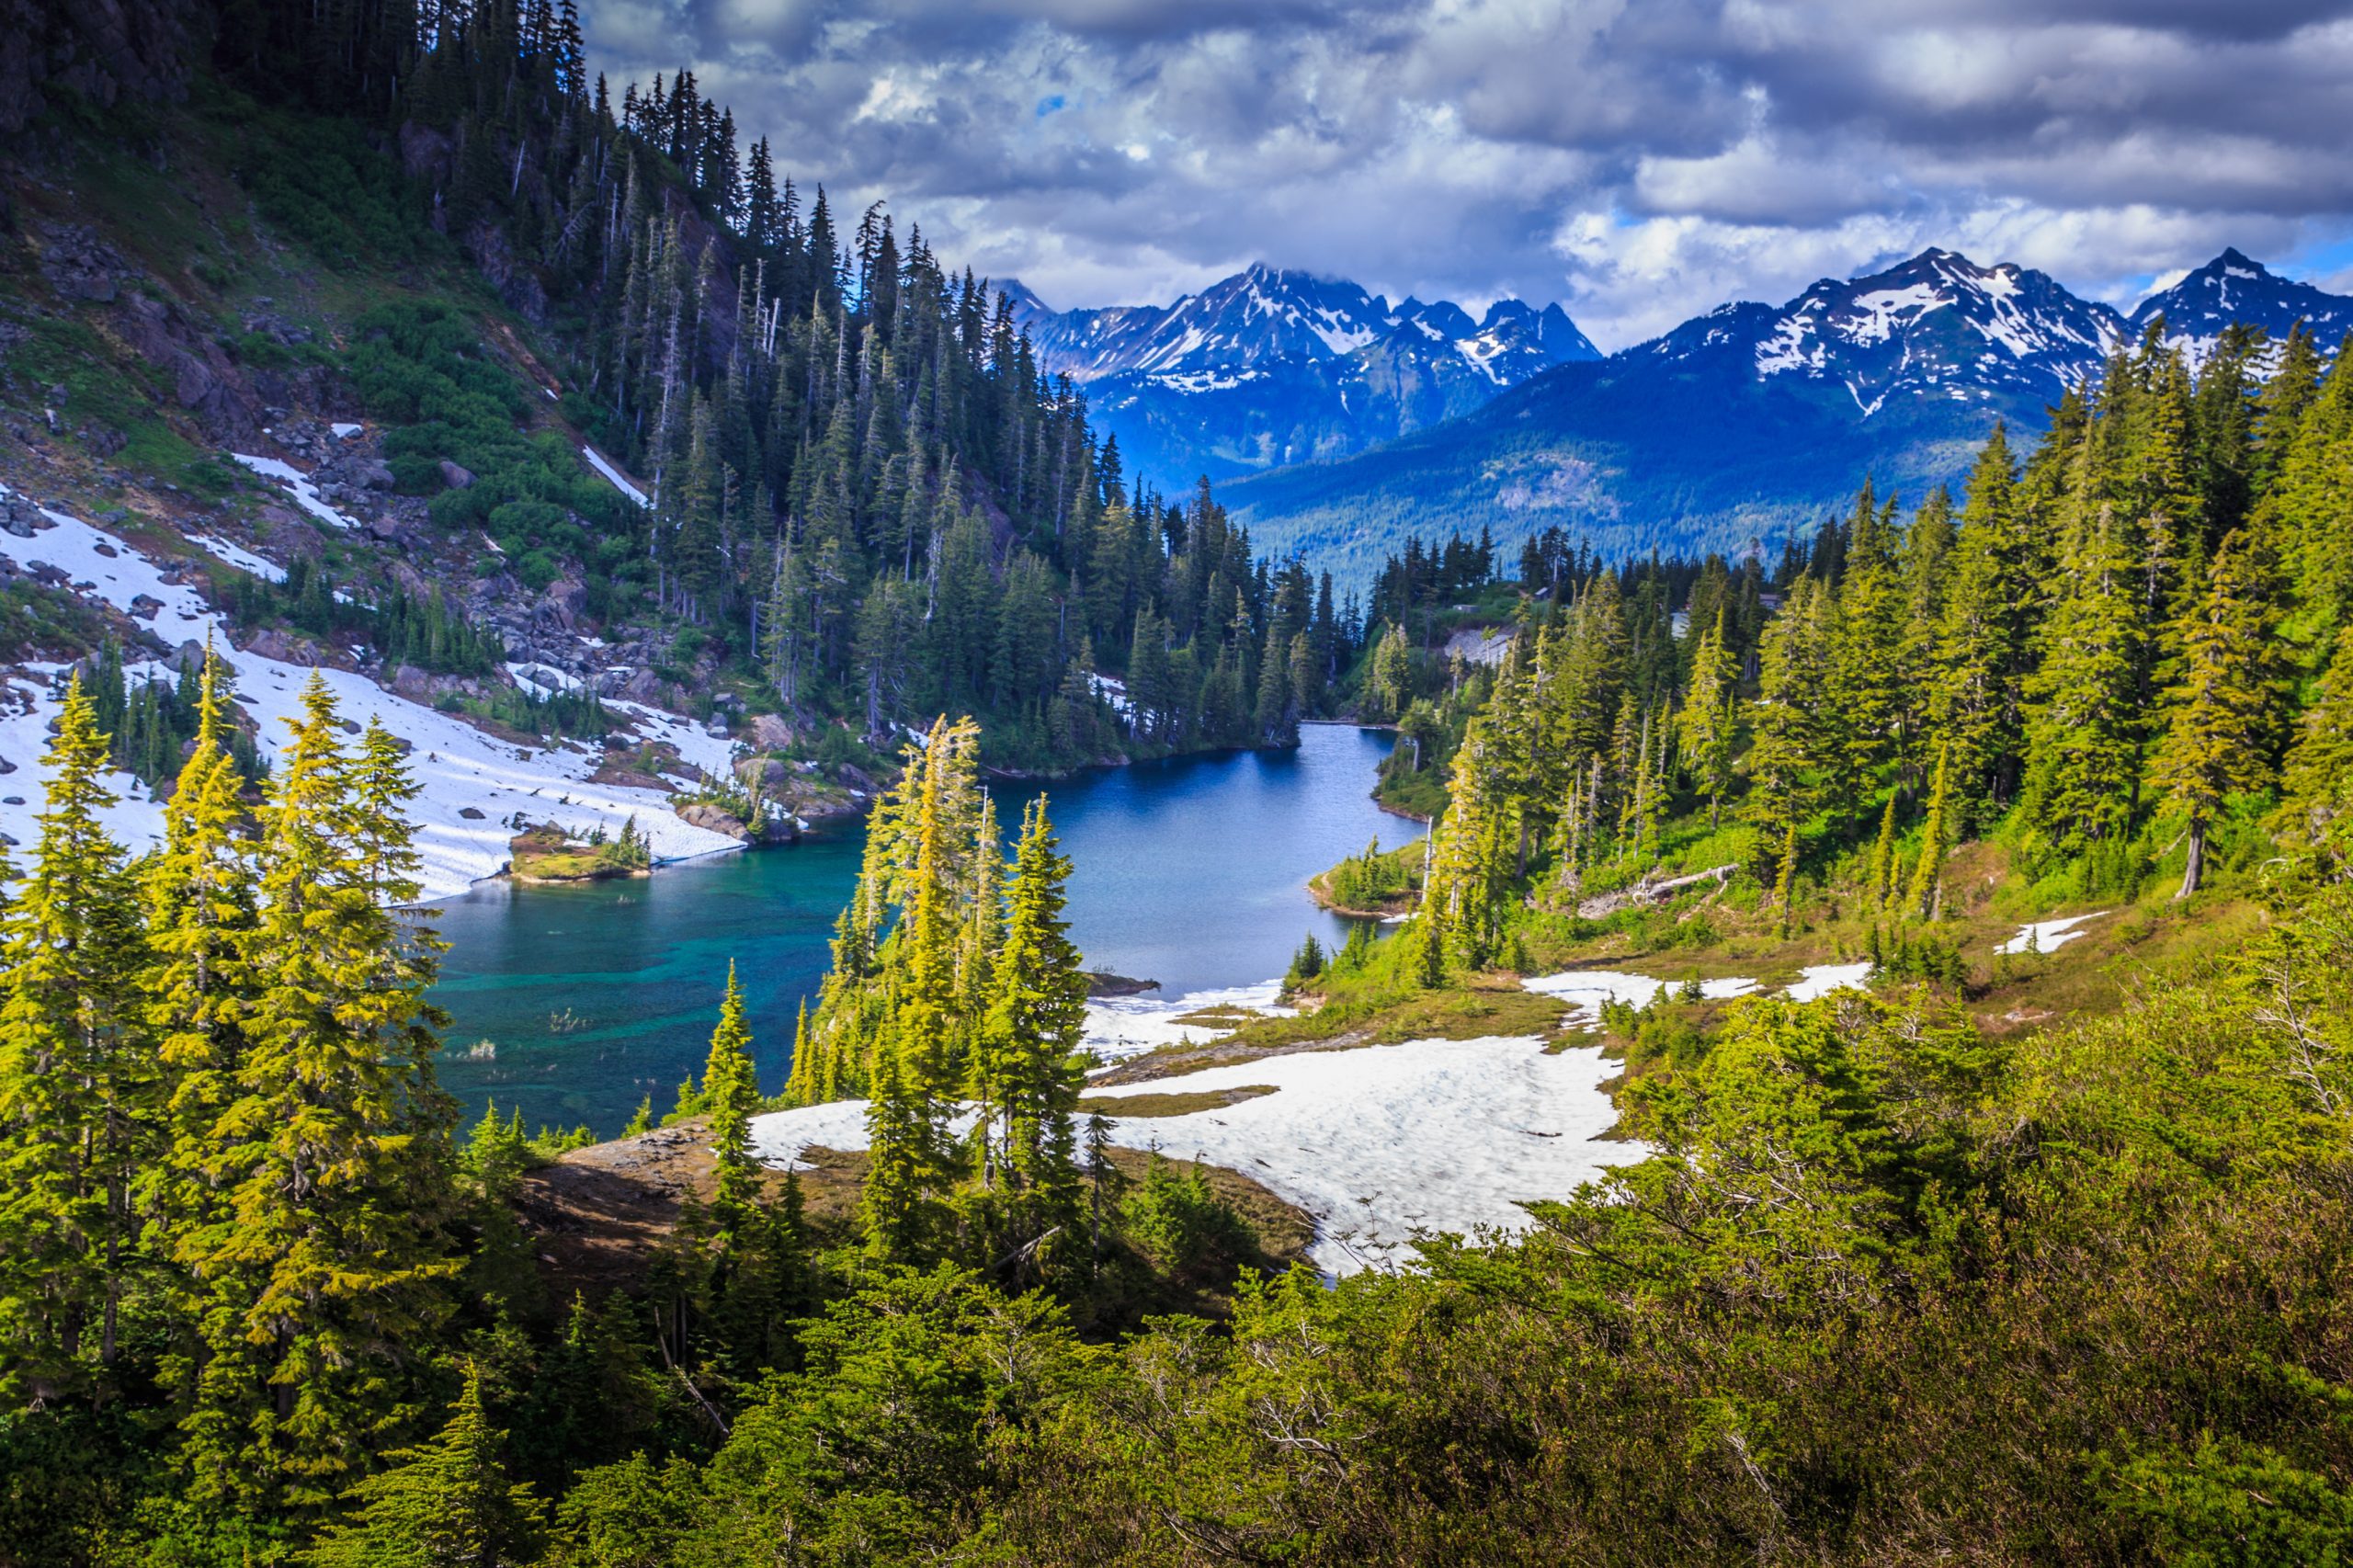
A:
x: 1191, y: 872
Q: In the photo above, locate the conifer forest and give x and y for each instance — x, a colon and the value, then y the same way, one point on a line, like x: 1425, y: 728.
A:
x: 1935, y: 920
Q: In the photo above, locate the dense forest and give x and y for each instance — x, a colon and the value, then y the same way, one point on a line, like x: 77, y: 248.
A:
x: 861, y: 490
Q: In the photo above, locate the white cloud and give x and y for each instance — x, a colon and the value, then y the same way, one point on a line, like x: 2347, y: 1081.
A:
x: 1639, y: 159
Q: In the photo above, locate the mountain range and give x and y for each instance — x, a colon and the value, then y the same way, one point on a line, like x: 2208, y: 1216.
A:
x: 1272, y: 367
x: 1751, y: 421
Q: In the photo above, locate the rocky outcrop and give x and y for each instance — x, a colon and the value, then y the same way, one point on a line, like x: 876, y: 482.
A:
x: 715, y: 819
x: 104, y: 50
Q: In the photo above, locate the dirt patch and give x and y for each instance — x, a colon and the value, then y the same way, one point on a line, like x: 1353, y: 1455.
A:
x: 1172, y: 1104
x: 598, y: 1215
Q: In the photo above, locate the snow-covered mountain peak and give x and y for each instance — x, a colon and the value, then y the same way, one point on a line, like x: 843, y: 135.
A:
x: 1276, y: 364
x: 1937, y: 323
x: 2236, y: 288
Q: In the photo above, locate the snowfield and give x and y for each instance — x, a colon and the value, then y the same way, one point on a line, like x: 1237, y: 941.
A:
x: 459, y: 769
x: 1376, y: 1144
x: 1121, y: 1026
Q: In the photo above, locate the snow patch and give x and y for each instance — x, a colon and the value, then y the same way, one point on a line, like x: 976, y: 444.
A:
x: 1585, y: 989
x: 297, y: 483
x: 619, y: 482
x: 1375, y: 1143
x: 2042, y: 935
x: 244, y: 559
x: 1821, y: 980
x: 1121, y: 1026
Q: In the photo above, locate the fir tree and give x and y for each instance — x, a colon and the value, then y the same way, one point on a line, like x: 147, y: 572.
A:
x: 448, y: 1503
x: 77, y: 1081
x: 328, y: 1272
x: 731, y: 1095
x: 1026, y: 1081
x: 1927, y: 878
x: 1709, y: 722
x: 2220, y: 713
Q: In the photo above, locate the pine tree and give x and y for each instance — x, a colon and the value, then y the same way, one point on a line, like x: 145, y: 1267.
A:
x: 1976, y: 700
x: 1785, y: 880
x: 328, y: 1275
x: 1711, y: 717
x: 77, y: 1083
x: 1883, y: 857
x: 2221, y: 712
x: 1927, y: 878
x: 446, y: 1501
x: 1025, y: 1081
x: 2319, y: 773
x: 2083, y: 732
x: 894, y: 1205
x: 200, y: 918
x: 731, y: 1095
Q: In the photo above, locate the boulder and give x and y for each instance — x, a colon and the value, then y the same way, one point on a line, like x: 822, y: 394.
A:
x: 563, y: 605
x: 770, y: 733
x: 716, y: 819
x: 456, y: 476
x: 375, y: 473
x: 766, y: 771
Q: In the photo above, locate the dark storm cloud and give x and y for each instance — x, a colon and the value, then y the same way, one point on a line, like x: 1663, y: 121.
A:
x: 1641, y: 159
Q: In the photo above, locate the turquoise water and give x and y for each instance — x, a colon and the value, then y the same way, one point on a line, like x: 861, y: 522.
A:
x: 1190, y: 872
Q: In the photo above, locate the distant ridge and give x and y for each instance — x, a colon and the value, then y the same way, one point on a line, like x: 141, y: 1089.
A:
x: 1274, y: 365
x: 1754, y: 420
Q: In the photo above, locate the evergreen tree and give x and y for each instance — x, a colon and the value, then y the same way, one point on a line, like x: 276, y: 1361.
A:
x: 731, y: 1095
x: 1709, y: 721
x: 2084, y: 732
x: 77, y: 1083
x: 1026, y: 1080
x: 1927, y: 878
x: 2320, y: 767
x: 448, y: 1503
x: 200, y: 919
x: 2221, y: 712
x: 328, y: 1275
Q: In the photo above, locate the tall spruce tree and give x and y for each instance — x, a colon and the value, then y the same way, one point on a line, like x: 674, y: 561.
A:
x: 1026, y: 1081
x: 326, y: 1279
x: 78, y: 1086
x: 2222, y: 714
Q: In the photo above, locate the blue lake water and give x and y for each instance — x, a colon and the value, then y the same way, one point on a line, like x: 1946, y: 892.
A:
x: 1191, y: 872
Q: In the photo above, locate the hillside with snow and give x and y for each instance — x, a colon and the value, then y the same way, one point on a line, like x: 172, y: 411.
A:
x: 474, y: 786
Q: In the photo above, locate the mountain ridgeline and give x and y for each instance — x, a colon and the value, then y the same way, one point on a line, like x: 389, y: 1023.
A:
x: 1273, y: 366
x: 1722, y: 433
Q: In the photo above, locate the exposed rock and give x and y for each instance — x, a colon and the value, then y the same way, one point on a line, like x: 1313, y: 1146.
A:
x: 287, y: 648
x: 79, y: 265
x: 456, y: 476
x: 703, y: 814
x: 375, y: 473
x: 770, y: 733
x: 98, y: 50
x: 145, y: 608
x: 471, y: 814
x: 767, y: 771
x: 563, y: 607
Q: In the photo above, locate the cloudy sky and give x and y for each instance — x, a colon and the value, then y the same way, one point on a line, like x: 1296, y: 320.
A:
x: 1639, y: 161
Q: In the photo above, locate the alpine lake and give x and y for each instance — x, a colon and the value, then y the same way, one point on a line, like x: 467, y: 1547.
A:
x: 574, y: 1002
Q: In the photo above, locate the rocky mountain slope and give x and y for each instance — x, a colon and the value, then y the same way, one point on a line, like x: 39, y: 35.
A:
x: 1752, y: 421
x: 1273, y: 366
